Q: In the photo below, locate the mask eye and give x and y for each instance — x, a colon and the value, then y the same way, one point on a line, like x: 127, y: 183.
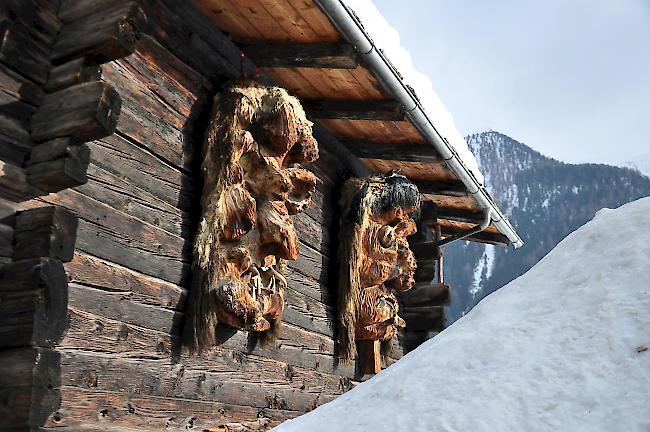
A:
x: 386, y: 236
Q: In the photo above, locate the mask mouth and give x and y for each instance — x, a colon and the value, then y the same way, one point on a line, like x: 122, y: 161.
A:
x: 265, y: 281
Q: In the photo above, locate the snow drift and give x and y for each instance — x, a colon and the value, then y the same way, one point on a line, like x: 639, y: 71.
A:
x: 563, y: 347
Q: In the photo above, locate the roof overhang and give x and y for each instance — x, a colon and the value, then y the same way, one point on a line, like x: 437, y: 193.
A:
x: 320, y: 51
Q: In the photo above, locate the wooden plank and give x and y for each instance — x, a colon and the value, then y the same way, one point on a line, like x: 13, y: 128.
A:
x: 104, y: 35
x: 355, y: 110
x: 397, y: 152
x: 461, y: 215
x: 85, y: 111
x: 33, y: 303
x: 369, y: 356
x: 333, y: 56
x: 15, y: 142
x: 19, y: 86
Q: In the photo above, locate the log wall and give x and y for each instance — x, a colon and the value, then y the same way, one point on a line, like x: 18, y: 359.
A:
x: 122, y: 364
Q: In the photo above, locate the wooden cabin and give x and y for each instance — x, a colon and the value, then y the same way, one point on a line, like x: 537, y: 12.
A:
x: 103, y: 109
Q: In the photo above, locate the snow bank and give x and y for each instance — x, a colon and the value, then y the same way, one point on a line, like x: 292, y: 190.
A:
x: 562, y: 348
x: 387, y: 39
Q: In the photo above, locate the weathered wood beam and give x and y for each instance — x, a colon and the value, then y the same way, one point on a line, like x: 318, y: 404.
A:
x: 427, y: 294
x: 424, y: 318
x: 447, y: 188
x: 329, y: 56
x: 86, y: 112
x: 481, y: 237
x: 14, y: 185
x: 66, y: 167
x: 369, y: 356
x: 355, y: 110
x: 19, y: 51
x: 409, y: 152
x: 45, y: 232
x: 30, y: 379
x: 106, y: 34
x: 33, y: 303
x: 74, y: 72
x: 461, y: 215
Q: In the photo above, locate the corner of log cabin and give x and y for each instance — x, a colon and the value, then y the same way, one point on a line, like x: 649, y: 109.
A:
x: 103, y: 109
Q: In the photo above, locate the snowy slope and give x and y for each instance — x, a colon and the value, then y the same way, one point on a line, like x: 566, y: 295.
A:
x: 562, y: 348
x: 387, y: 39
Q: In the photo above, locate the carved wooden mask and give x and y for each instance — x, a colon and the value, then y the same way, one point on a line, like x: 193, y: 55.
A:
x: 257, y: 139
x: 375, y: 257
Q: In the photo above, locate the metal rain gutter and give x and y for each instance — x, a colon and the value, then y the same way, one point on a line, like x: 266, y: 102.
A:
x: 349, y: 26
x: 474, y: 230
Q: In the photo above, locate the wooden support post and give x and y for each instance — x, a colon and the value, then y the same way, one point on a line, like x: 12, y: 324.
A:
x: 438, y: 259
x: 355, y: 110
x: 106, y: 34
x: 409, y: 152
x: 369, y: 356
x: 332, y: 56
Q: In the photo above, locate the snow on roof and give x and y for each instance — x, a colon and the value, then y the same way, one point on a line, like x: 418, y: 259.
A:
x: 565, y: 347
x: 387, y: 39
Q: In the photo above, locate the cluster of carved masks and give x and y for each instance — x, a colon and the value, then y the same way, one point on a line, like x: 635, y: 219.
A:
x: 256, y: 143
x: 257, y: 139
x: 376, y: 261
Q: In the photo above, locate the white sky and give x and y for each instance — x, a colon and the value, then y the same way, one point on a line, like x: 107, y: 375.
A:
x: 570, y: 78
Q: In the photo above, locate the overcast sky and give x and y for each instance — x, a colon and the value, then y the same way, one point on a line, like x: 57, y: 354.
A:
x: 570, y: 78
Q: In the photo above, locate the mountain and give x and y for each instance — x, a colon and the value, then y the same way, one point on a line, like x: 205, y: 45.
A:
x: 640, y: 163
x: 544, y: 199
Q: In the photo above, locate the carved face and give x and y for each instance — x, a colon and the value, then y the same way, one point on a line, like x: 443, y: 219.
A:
x: 253, y: 185
x: 376, y: 257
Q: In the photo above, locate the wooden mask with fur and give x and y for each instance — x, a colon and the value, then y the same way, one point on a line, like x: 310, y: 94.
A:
x: 375, y: 257
x: 257, y: 139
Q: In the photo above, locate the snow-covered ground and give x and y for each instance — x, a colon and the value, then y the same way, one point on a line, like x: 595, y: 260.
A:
x: 565, y: 347
x: 386, y: 38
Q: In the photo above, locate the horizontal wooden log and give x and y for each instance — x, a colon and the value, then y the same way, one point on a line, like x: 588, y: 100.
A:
x: 355, y: 110
x: 232, y: 378
x: 14, y: 185
x: 330, y: 56
x: 481, y: 237
x: 39, y: 17
x: 49, y: 232
x: 107, y: 34
x: 144, y: 170
x: 74, y: 72
x: 119, y: 411
x: 15, y: 142
x: 65, y: 172
x: 114, y: 236
x: 426, y: 270
x: 424, y: 318
x: 461, y: 215
x: 33, y: 303
x: 29, y: 387
x: 426, y: 294
x: 425, y: 251
x: 447, y: 188
x: 6, y: 241
x: 22, y: 53
x: 19, y: 86
x: 398, y: 152
x: 85, y: 112
x: 55, y: 149
x: 91, y: 271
